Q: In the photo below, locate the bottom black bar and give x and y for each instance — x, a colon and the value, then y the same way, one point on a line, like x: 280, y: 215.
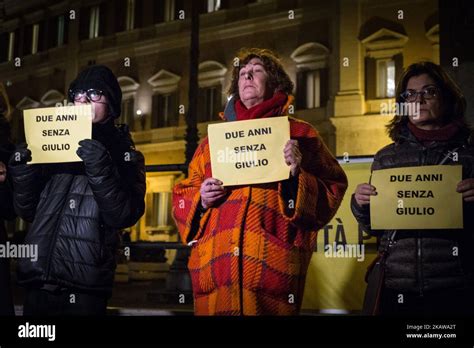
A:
x: 289, y: 331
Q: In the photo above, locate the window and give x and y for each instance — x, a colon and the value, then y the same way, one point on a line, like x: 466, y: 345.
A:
x: 11, y: 45
x: 158, y: 209
x: 312, y: 81
x: 385, y: 77
x: 60, y: 31
x: 383, y: 57
x: 169, y: 12
x: 209, y: 103
x: 128, y: 113
x: 213, y: 5
x: 129, y: 14
x: 35, y: 38
x: 313, y: 89
x: 165, y: 99
x: 130, y: 20
x: 166, y: 10
x: 94, y: 22
x: 129, y: 89
x: 211, y: 99
x: 310, y: 88
x: 57, y: 31
x: 165, y: 110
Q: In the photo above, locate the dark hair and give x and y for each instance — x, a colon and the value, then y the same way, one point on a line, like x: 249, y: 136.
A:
x: 453, y: 102
x: 278, y: 79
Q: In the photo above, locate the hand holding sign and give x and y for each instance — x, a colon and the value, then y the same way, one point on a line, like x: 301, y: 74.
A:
x: 94, y: 155
x: 466, y: 187
x: 293, y: 156
x: 363, y: 192
x: 22, y: 155
x: 3, y: 172
x: 211, y: 192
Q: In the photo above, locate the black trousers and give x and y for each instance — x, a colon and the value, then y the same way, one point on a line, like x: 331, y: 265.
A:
x: 40, y: 302
x: 447, y: 302
x: 6, y: 301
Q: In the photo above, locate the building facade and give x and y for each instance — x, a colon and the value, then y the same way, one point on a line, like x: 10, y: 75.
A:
x: 345, y: 57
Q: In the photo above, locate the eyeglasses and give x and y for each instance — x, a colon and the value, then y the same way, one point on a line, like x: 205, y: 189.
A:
x: 91, y: 94
x: 427, y: 94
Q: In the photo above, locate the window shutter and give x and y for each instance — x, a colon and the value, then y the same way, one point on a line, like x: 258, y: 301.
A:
x: 370, y: 78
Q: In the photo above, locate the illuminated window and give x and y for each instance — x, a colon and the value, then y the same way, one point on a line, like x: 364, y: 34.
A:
x: 165, y: 110
x: 165, y: 99
x: 130, y: 20
x: 61, y: 31
x: 313, y: 89
x: 94, y: 22
x: 385, y: 78
x: 128, y: 112
x: 34, y: 39
x: 158, y: 209
x: 213, y: 5
x: 169, y: 13
x: 210, y: 103
x: 383, y: 43
x: 129, y: 89
x: 312, y: 75
x: 11, y: 45
x: 211, y: 98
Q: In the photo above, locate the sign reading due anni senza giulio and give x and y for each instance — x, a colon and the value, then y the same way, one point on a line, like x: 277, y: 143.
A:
x: 417, y: 198
x: 249, y: 152
x: 53, y: 134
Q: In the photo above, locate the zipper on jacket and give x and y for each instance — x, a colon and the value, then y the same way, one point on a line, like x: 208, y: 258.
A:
x: 241, y: 254
x: 419, y: 263
x: 55, y: 235
x: 424, y: 154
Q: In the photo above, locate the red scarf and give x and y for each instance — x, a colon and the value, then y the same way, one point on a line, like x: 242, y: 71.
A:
x: 443, y: 134
x: 270, y: 107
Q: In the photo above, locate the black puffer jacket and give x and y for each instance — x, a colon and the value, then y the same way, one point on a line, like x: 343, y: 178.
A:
x: 6, y: 213
x: 76, y: 217
x: 424, y: 260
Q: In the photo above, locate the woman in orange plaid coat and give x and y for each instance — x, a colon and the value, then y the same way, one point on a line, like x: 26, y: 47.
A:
x: 251, y: 245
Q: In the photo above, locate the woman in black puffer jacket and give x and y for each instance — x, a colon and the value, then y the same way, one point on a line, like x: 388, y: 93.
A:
x: 427, y: 271
x: 6, y: 213
x: 76, y: 209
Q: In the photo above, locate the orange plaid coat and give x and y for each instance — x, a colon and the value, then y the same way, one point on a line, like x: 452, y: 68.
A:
x: 252, y: 251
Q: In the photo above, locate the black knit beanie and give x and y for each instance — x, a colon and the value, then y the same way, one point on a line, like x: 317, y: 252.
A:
x: 102, y: 78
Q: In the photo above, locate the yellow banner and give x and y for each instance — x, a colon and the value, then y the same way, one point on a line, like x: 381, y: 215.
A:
x: 417, y: 198
x: 53, y: 134
x: 249, y: 152
x: 335, y: 279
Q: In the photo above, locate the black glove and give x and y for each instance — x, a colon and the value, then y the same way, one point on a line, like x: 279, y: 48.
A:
x: 21, y: 155
x: 94, y: 155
